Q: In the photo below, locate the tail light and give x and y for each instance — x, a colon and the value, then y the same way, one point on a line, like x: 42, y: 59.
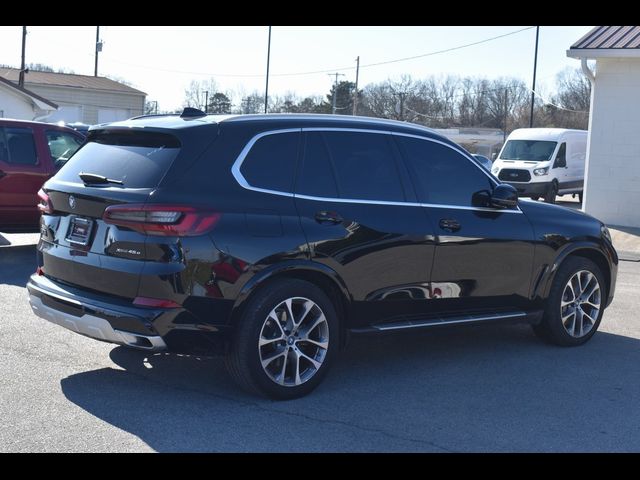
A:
x: 44, y: 202
x: 168, y: 220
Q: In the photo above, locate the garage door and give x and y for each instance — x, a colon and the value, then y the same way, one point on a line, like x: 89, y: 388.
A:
x: 67, y: 114
x: 106, y: 115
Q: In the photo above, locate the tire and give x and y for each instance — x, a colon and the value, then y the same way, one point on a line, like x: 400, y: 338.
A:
x: 551, y: 193
x: 580, y: 197
x: 552, y: 328
x: 266, y: 319
x: 535, y: 198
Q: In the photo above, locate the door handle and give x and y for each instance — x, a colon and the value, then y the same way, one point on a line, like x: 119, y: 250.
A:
x: 450, y: 224
x: 328, y: 218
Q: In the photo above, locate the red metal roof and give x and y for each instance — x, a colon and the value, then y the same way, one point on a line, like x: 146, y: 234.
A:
x: 610, y: 37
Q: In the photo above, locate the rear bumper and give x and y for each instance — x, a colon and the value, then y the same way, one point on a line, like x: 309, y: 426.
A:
x: 95, y: 327
x: 529, y: 189
x: 54, y: 303
x: 117, y: 321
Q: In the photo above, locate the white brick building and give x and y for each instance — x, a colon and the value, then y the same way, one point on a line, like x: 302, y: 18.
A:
x: 612, y: 173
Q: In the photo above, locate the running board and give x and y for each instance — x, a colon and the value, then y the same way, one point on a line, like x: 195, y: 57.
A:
x: 452, y: 320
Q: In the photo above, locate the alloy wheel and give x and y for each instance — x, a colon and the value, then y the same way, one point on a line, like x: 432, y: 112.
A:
x: 581, y: 303
x: 293, y: 342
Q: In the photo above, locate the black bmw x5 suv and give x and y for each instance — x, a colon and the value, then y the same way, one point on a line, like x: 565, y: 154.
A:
x: 272, y: 238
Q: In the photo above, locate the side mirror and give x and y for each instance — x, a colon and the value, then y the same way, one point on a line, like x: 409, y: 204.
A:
x: 504, y: 196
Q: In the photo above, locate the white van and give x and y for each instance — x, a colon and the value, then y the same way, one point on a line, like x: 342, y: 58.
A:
x: 543, y: 162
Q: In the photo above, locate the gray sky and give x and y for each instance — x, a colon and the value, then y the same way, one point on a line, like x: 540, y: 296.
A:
x: 162, y: 61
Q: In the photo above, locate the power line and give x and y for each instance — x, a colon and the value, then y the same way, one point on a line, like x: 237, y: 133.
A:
x: 547, y: 102
x: 437, y: 52
x: 332, y: 70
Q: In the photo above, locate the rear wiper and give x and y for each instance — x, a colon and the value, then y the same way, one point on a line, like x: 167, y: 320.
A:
x: 94, y: 178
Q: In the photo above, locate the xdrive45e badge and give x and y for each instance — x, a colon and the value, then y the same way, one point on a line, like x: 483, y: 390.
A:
x: 130, y: 252
x: 72, y: 201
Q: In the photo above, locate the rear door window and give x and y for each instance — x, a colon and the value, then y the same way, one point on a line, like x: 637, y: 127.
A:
x: 138, y: 159
x: 316, y: 177
x: 364, y: 165
x: 17, y: 146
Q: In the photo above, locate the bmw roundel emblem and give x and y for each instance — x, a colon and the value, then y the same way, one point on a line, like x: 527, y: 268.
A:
x: 72, y: 201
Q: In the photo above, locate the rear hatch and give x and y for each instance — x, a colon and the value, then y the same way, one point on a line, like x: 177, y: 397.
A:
x: 97, y: 214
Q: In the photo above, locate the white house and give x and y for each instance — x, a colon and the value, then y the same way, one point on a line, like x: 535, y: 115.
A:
x: 81, y: 98
x: 18, y: 102
x: 612, y: 173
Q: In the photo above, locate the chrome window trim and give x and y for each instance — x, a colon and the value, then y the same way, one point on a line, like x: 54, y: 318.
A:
x: 235, y: 171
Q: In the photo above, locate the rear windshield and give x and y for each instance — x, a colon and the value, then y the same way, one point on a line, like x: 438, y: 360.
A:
x: 138, y: 159
x: 532, y: 150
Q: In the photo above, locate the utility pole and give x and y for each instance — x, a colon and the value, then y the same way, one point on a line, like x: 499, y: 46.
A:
x: 335, y: 91
x: 98, y: 50
x: 266, y: 88
x: 533, y: 88
x: 402, y: 96
x: 22, y: 66
x: 506, y: 113
x: 355, y: 93
x: 206, y: 101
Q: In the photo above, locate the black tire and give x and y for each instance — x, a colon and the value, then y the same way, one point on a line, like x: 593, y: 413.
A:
x: 243, y: 357
x: 551, y: 328
x: 551, y: 193
x: 580, y: 197
x: 535, y: 197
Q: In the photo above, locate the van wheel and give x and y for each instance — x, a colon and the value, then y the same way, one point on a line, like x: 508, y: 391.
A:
x: 535, y: 198
x: 580, y: 197
x: 575, y: 305
x: 552, y: 192
x: 285, y: 340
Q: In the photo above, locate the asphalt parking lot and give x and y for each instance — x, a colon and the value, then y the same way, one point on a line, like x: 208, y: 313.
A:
x: 483, y: 388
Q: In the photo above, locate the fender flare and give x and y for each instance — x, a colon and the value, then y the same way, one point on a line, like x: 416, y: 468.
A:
x: 549, y: 276
x: 286, y: 267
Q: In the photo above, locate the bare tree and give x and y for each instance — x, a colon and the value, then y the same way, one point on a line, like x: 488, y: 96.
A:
x: 574, y: 90
x: 569, y: 108
x: 507, y: 101
x: 252, y: 103
x: 435, y: 101
x: 195, y: 95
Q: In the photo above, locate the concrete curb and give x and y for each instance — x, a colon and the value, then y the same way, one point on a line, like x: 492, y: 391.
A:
x: 626, y: 240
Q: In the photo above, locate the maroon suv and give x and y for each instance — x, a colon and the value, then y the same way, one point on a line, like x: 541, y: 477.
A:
x: 30, y: 153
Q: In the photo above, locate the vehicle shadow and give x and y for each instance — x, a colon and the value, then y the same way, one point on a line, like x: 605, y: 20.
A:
x: 483, y: 388
x: 17, y: 264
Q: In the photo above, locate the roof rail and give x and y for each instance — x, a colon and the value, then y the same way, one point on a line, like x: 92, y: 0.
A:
x: 147, y: 115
